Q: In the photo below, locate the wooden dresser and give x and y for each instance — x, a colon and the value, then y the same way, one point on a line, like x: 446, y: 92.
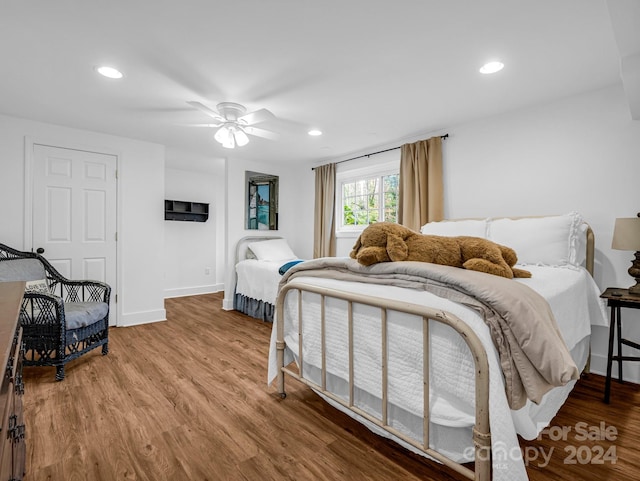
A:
x: 12, y: 445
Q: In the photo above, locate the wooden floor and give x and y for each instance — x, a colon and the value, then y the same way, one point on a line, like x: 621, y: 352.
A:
x: 187, y: 399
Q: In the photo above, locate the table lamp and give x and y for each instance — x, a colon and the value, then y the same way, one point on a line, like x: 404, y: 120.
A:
x: 626, y: 237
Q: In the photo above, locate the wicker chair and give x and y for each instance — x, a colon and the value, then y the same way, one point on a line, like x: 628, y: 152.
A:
x: 61, y: 319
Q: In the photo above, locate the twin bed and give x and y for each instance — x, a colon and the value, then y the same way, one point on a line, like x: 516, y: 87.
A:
x: 258, y: 262
x: 413, y: 358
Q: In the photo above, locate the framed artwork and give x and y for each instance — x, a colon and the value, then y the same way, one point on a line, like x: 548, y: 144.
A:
x: 262, y: 201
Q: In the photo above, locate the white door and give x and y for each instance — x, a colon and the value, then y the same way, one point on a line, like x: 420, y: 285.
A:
x: 74, y: 213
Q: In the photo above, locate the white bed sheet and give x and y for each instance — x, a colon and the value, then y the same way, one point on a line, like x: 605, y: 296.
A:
x: 259, y: 279
x: 573, y: 297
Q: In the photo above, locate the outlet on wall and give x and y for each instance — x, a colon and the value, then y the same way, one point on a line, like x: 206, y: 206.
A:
x: 207, y: 271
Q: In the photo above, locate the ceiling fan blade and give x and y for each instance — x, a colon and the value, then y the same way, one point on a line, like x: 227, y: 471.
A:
x: 261, y: 115
x: 267, y: 134
x: 204, y: 125
x: 206, y: 110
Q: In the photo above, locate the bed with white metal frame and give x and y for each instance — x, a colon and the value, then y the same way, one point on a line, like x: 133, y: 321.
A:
x: 482, y: 437
x: 247, y: 304
x: 481, y: 430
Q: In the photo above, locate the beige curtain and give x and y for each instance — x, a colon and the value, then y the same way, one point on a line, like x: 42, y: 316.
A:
x: 324, y: 224
x: 421, y: 192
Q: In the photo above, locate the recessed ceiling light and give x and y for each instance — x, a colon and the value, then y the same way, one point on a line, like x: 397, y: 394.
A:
x: 315, y: 132
x: 109, y: 72
x: 491, y: 67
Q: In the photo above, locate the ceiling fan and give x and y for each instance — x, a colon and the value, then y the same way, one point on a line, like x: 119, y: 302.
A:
x: 234, y: 123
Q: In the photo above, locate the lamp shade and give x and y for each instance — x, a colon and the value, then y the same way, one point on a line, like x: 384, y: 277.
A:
x: 222, y: 135
x: 241, y: 137
x: 626, y: 234
x: 230, y: 135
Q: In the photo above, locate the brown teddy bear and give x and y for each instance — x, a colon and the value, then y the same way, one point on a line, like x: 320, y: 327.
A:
x: 385, y: 241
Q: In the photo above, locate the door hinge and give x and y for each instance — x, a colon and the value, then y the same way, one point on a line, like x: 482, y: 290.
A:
x: 116, y: 173
x: 116, y: 237
x: 116, y: 297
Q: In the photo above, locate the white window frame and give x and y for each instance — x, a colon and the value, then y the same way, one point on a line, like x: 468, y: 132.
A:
x: 347, y: 176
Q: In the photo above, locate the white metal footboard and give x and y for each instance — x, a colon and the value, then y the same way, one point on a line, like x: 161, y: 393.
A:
x: 481, y: 431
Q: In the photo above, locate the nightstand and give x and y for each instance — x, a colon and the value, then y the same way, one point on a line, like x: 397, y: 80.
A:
x: 617, y: 299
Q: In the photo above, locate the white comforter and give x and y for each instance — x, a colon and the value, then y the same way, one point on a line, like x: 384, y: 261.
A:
x: 259, y: 279
x: 574, y: 300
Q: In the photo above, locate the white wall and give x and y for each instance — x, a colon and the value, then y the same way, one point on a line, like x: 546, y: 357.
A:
x: 295, y: 211
x: 582, y: 154
x: 140, y: 214
x: 578, y: 154
x: 194, y: 251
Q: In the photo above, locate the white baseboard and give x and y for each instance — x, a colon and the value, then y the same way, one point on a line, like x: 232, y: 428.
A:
x: 145, y: 317
x: 193, y: 291
x: 630, y: 370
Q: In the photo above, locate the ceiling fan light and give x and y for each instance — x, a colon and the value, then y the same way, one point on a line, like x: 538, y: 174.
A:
x: 222, y: 134
x: 241, y: 137
x: 230, y: 143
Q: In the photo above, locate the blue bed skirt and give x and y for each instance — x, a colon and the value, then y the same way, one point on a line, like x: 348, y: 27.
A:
x: 254, y: 307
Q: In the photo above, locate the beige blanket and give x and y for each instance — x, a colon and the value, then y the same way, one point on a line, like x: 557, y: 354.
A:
x: 533, y: 355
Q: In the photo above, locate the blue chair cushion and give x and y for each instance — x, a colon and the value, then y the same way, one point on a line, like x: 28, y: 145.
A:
x: 82, y: 314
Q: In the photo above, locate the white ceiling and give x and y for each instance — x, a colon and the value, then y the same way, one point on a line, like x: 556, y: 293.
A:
x: 365, y: 72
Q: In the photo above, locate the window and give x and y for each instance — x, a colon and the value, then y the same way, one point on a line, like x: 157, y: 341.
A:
x: 367, y: 198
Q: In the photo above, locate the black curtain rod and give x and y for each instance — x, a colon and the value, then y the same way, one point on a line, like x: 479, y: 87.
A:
x: 379, y: 152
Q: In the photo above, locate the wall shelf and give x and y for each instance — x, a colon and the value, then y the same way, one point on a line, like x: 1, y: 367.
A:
x: 186, y: 211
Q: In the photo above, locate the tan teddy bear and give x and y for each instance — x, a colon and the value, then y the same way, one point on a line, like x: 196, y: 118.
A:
x: 385, y: 241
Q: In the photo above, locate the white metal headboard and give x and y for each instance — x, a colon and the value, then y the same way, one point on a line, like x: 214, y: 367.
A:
x: 243, y: 245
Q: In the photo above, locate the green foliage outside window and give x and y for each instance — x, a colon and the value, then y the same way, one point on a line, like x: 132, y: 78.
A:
x: 366, y: 201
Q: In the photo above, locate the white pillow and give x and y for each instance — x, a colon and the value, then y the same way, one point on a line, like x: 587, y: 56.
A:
x: 581, y: 245
x: 551, y: 241
x: 37, y: 287
x: 452, y: 228
x: 272, y: 250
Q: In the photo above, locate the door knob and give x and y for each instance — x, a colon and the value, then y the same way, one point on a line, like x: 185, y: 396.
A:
x: 40, y: 250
